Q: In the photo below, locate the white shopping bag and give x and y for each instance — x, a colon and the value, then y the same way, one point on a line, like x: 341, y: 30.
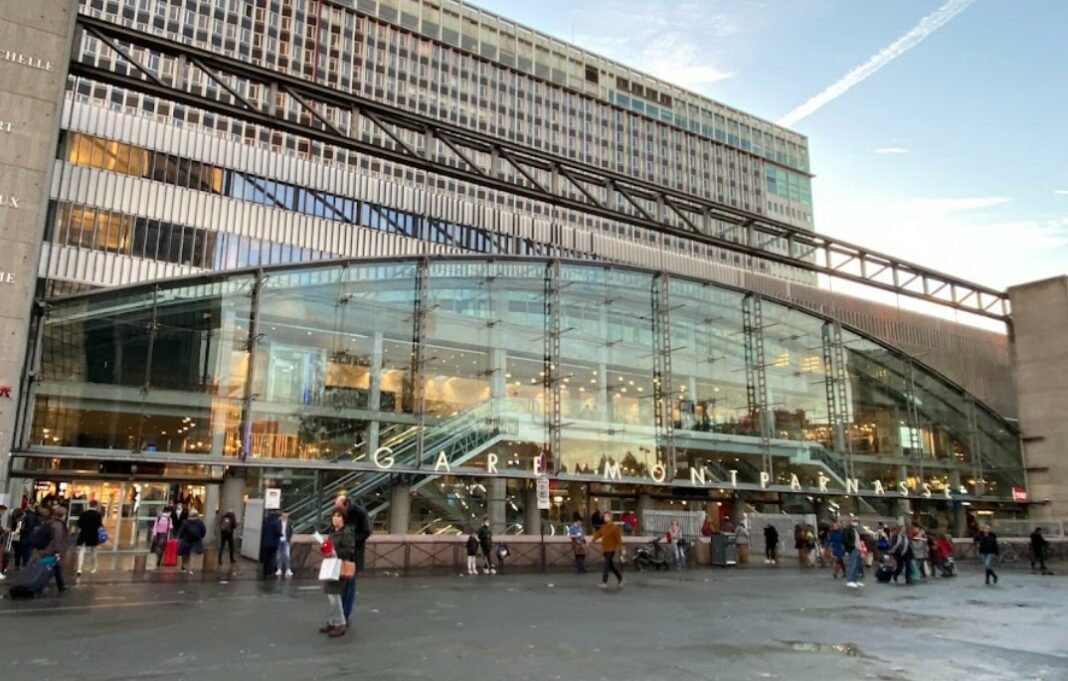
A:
x: 330, y: 570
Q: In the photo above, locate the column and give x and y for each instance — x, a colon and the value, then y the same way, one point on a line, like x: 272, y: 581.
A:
x: 36, y: 38
x: 495, y: 504
x: 231, y: 496
x: 645, y: 503
x: 400, y: 508
x: 531, y: 513
x: 374, y: 394
x: 959, y: 526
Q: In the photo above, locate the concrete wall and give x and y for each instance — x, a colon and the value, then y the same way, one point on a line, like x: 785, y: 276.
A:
x: 35, y: 42
x: 1040, y: 356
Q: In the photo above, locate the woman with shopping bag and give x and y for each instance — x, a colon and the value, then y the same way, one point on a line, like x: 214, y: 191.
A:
x: 338, y: 552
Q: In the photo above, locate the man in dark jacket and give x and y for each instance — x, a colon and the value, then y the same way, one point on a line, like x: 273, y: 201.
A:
x: 191, y: 538
x: 269, y: 538
x: 1039, y: 546
x: 89, y: 524
x: 359, y: 523
x: 771, y: 545
x: 227, y: 525
x: 485, y: 540
x: 57, y: 542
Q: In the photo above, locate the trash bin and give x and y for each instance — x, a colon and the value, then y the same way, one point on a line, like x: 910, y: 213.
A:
x: 724, y: 549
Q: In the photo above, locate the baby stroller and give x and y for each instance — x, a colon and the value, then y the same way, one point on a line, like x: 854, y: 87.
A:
x: 948, y: 567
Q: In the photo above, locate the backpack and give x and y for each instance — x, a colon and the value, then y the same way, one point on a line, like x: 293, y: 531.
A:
x: 41, y: 535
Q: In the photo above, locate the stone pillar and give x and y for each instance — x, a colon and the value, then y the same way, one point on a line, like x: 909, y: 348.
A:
x: 211, y: 509
x: 531, y: 513
x: 35, y: 39
x: 400, y: 509
x: 495, y: 504
x: 645, y: 503
x: 231, y: 496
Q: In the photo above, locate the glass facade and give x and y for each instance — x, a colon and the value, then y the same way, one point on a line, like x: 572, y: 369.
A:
x: 470, y: 366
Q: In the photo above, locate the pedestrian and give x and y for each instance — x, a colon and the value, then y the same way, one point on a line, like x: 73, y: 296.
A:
x: 56, y: 523
x: 90, y: 523
x: 920, y: 550
x: 882, y: 542
x: 15, y: 536
x: 191, y: 538
x: 161, y: 532
x: 485, y: 541
x: 611, y: 541
x: 836, y: 545
x: 853, y: 548
x: 341, y: 544
x: 988, y: 552
x: 675, y: 538
x: 901, y: 550
x: 578, y: 542
x: 270, y: 539
x: 741, y: 540
x: 5, y: 541
x: 178, y: 516
x: 226, y: 526
x: 708, y: 526
x: 1039, y: 547
x: 472, y: 553
x: 33, y: 517
x: 284, y: 554
x: 596, y: 519
x: 771, y: 545
x: 359, y: 524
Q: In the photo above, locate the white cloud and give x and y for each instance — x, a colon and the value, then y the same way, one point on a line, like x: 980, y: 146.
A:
x: 971, y: 237
x: 928, y: 25
x: 669, y: 40
x: 954, y: 205
x: 1062, y: 192
x: 891, y: 150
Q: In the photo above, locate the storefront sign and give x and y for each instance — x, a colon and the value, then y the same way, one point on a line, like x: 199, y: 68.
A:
x: 272, y: 499
x: 8, y: 201
x: 543, y: 494
x: 1019, y: 494
x: 6, y: 277
x: 383, y: 459
x: 26, y: 60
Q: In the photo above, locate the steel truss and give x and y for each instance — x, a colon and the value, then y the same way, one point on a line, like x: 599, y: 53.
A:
x: 663, y: 392
x: 836, y: 382
x: 226, y: 86
x: 756, y: 376
x: 551, y: 378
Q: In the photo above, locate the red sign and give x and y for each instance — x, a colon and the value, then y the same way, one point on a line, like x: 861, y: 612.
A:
x: 1019, y: 494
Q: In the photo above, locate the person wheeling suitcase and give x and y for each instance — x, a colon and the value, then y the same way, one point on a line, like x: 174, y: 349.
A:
x: 49, y: 539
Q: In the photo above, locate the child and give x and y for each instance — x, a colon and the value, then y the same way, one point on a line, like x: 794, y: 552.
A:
x: 472, y: 553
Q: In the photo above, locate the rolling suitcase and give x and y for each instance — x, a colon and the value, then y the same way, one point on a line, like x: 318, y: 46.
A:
x: 31, y: 580
x: 884, y: 573
x: 170, y: 553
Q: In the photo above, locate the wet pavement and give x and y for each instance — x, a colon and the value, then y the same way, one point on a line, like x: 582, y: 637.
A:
x: 703, y: 624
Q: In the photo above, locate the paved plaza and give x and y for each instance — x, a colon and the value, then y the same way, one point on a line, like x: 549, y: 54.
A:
x: 703, y: 624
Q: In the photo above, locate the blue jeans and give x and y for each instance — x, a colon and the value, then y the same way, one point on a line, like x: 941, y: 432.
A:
x: 854, y: 566
x: 348, y: 597
x: 283, y: 560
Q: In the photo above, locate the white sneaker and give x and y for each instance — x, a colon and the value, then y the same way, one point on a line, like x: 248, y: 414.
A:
x: 93, y: 571
x: 861, y: 584
x: 851, y: 585
x: 79, y: 573
x: 603, y: 585
x: 493, y: 571
x: 277, y: 573
x: 2, y: 576
x: 289, y: 573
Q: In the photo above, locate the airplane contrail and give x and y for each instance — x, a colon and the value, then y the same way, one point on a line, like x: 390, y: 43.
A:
x: 928, y: 25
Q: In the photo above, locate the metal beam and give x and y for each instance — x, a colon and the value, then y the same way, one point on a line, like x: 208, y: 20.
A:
x: 478, y: 151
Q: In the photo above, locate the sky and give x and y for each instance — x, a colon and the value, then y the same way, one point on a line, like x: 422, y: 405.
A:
x: 938, y: 129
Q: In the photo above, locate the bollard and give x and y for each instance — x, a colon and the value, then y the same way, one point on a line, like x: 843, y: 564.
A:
x: 140, y: 564
x: 208, y: 564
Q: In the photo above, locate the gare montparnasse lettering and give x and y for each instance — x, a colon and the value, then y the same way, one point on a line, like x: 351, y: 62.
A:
x: 383, y: 459
x: 26, y: 60
x: 7, y: 201
x: 5, y: 126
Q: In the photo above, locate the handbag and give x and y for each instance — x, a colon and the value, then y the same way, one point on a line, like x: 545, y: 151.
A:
x: 101, y: 536
x: 348, y: 569
x: 330, y: 570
